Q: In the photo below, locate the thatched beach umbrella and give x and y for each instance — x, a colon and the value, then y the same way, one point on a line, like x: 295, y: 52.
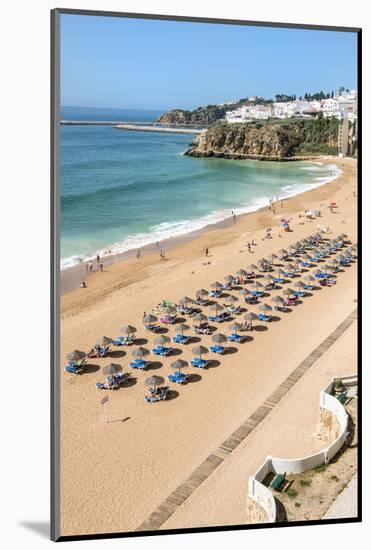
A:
x: 161, y: 340
x: 216, y: 285
x: 154, y: 381
x: 265, y: 307
x: 140, y: 352
x: 179, y: 364
x: 299, y: 284
x: 229, y: 278
x: 185, y: 300
x: 128, y: 329
x: 257, y: 285
x: 104, y: 341
x: 76, y: 355
x: 219, y: 338
x: 244, y: 291
x: 288, y: 292
x: 169, y: 310
x: 112, y: 368
x: 309, y: 279
x: 200, y: 350
x: 282, y: 253
x: 199, y: 317
x: 182, y: 328
x: 250, y: 316
x: 277, y: 300
x: 269, y: 278
x: 262, y: 262
x: 279, y: 273
x: 216, y: 307
x: 235, y: 327
x: 272, y: 258
x: 149, y: 318
x: 251, y: 268
x: 201, y: 292
x: 241, y: 272
x: 231, y: 299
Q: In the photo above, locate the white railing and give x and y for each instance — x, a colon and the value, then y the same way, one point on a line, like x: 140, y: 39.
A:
x: 262, y: 494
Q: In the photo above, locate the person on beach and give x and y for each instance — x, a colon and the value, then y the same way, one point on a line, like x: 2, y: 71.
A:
x: 90, y: 266
x: 98, y: 258
x: 138, y: 254
x: 206, y: 252
x: 101, y: 267
x: 83, y: 284
x: 87, y: 267
x: 249, y: 246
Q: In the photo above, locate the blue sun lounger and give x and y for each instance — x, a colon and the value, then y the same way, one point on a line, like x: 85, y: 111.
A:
x: 299, y: 293
x: 180, y: 339
x: 287, y: 274
x: 308, y: 287
x: 277, y: 280
x: 217, y: 349
x: 162, y: 350
x: 123, y: 341
x: 199, y: 363
x: 256, y: 293
x: 74, y: 369
x: 264, y: 317
x: 152, y: 328
x: 215, y: 319
x: 139, y: 364
x: 305, y: 264
x: 234, y: 337
x: 178, y: 377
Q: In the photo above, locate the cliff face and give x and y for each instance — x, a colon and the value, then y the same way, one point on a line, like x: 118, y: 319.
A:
x: 271, y: 140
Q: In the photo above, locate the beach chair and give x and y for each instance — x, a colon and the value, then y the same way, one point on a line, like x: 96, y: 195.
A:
x: 277, y: 280
x: 308, y: 287
x: 156, y: 395
x: 299, y: 293
x: 167, y: 319
x: 342, y: 397
x: 180, y: 339
x: 237, y: 338
x: 278, y: 482
x: 123, y: 341
x: 215, y: 293
x: 290, y: 302
x: 287, y: 274
x: 98, y: 351
x: 251, y: 300
x: 139, y: 364
x: 256, y: 293
x: 74, y: 369
x: 264, y: 317
x: 178, y: 377
x: 162, y: 350
x: 199, y: 363
x: 217, y: 349
x: 305, y: 264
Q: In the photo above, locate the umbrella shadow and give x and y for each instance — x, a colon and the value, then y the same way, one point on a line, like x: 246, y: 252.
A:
x: 154, y: 365
x: 230, y: 350
x: 194, y: 340
x: 172, y: 394
x: 213, y: 363
x: 179, y: 320
x: 129, y: 382
x: 260, y: 328
x: 193, y: 378
x: 90, y: 369
x: 275, y: 319
x: 117, y: 354
x: 162, y: 330
x: 176, y: 351
x: 140, y: 341
x: 246, y: 339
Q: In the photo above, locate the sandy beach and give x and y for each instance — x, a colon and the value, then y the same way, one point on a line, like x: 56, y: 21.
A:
x: 115, y: 474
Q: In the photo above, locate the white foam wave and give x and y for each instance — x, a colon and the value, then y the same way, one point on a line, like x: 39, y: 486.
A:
x: 167, y: 230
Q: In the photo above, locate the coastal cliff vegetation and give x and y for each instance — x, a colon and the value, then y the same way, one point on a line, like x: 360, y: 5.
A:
x: 268, y: 140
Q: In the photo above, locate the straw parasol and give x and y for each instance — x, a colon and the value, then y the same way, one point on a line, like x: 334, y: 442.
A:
x: 235, y: 327
x: 277, y: 300
x: 288, y: 292
x: 182, y: 327
x: 199, y: 317
x: 269, y: 277
x: 216, y: 285
x: 231, y: 299
x: 252, y: 268
x: 216, y: 307
x: 309, y: 279
x: 76, y: 355
x: 149, y: 318
x: 241, y: 272
x: 140, y: 352
x: 282, y: 253
x: 262, y: 261
x: 257, y: 285
x: 112, y: 368
x: 219, y: 338
x: 272, y: 258
x: 128, y: 329
x: 200, y: 350
x: 169, y: 310
x: 250, y: 316
x: 104, y: 341
x: 229, y: 278
x: 279, y: 273
x: 265, y: 307
x: 185, y: 300
x: 161, y: 340
x: 244, y: 291
x: 179, y: 364
x: 201, y: 292
x: 154, y: 381
x: 299, y: 284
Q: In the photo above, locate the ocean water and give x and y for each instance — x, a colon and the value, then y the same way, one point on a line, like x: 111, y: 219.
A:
x: 122, y: 190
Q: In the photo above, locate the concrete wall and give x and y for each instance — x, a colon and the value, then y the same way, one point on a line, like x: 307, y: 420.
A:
x: 262, y: 494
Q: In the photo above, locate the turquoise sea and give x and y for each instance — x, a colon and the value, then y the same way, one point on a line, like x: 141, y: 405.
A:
x: 122, y: 190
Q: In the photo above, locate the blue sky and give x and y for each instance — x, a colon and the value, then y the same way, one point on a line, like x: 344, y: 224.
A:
x: 143, y: 64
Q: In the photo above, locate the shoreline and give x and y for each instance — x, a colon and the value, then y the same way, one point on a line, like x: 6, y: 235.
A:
x: 72, y: 276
